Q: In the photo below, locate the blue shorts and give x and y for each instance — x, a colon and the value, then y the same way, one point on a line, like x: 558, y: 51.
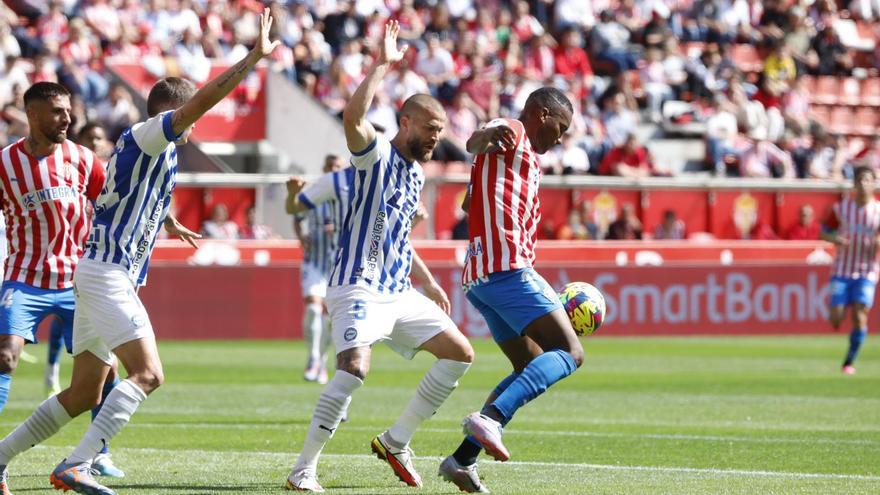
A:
x: 848, y: 291
x: 511, y: 300
x: 23, y: 307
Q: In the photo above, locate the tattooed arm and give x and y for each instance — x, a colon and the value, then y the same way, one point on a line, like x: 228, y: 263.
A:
x: 216, y: 89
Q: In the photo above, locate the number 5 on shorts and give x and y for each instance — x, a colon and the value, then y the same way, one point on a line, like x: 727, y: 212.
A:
x: 359, y: 310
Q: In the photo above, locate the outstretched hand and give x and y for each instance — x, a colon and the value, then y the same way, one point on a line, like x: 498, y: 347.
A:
x: 175, y: 228
x: 390, y: 53
x: 264, y: 45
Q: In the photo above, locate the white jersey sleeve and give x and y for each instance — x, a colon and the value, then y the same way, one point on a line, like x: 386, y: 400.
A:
x: 318, y: 192
x: 373, y: 154
x: 153, y: 135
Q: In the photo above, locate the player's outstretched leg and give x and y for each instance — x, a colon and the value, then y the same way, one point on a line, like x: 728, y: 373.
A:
x: 562, y: 355
x: 351, y: 369
x: 454, y: 357
x: 52, y: 380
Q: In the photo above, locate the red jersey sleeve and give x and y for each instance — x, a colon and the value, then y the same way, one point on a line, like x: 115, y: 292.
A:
x: 97, y: 177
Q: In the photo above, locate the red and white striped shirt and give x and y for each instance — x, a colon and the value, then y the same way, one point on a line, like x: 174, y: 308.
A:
x: 504, y: 208
x: 44, y: 201
x: 860, y: 225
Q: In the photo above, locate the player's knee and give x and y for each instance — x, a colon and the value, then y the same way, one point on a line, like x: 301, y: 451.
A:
x: 149, y: 380
x: 8, y: 360
x: 354, y: 368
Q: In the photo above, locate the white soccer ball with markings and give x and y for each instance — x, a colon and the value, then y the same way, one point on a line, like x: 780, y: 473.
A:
x: 585, y: 306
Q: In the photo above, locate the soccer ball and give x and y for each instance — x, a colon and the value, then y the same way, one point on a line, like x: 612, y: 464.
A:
x: 585, y: 306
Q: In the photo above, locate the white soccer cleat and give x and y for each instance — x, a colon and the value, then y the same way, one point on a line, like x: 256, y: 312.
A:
x: 464, y: 477
x: 104, y: 466
x: 304, y: 481
x: 312, y: 372
x: 488, y: 432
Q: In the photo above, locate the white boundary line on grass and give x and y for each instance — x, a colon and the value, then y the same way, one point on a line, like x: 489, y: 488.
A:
x: 567, y: 465
x: 519, y: 432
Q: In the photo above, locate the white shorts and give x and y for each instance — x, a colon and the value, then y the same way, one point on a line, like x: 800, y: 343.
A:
x: 313, y: 281
x: 361, y: 317
x: 108, y: 310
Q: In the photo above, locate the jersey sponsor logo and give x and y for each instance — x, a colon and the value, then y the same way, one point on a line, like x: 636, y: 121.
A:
x: 350, y: 334
x: 375, y: 244
x: 143, y: 248
x: 475, y: 247
x: 31, y: 199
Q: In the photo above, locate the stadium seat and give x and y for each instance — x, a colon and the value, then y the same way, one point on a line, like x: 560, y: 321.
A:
x: 865, y: 121
x: 871, y: 91
x: 820, y: 113
x: 842, y: 120
x: 850, y: 91
x: 826, y: 90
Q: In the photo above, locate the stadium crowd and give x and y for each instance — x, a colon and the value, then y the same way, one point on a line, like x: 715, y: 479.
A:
x: 744, y: 70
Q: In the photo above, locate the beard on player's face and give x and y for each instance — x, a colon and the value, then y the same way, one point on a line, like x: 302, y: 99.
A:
x: 56, y: 133
x: 420, y: 149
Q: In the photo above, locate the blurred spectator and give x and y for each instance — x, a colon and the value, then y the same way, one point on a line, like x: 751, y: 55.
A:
x: 525, y: 25
x: 254, y: 230
x: 655, y: 83
x: 619, y: 119
x: 627, y: 226
x: 576, y: 14
x: 94, y: 137
x: 671, y: 228
x: 464, y: 118
x: 869, y: 156
x: 436, y: 66
x: 806, y: 228
x: 539, y: 60
x: 572, y: 158
x: 833, y: 57
x: 761, y: 231
x: 219, y: 226
x: 343, y: 25
x: 610, y: 43
x: 191, y: 57
x: 77, y: 56
x: 572, y: 62
x: 631, y: 160
x: 779, y: 66
x: 118, y: 111
x: 763, y: 159
x: 586, y: 211
x: 830, y: 161
x: 721, y: 137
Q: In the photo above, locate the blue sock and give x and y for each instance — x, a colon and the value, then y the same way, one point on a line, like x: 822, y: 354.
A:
x: 5, y: 384
x: 470, y: 448
x: 108, y: 387
x: 543, y: 371
x: 56, y: 341
x: 856, y: 338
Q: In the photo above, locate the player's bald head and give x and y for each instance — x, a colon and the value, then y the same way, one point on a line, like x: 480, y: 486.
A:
x: 421, y: 105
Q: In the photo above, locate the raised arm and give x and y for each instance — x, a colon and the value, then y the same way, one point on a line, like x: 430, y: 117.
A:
x: 358, y: 132
x: 216, y: 89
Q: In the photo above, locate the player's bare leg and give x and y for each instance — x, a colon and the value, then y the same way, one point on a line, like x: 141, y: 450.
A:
x: 836, y: 314
x: 140, y: 358
x: 454, y: 356
x: 856, y: 337
x: 313, y: 328
x: 10, y: 351
x: 56, y: 411
x: 352, y: 366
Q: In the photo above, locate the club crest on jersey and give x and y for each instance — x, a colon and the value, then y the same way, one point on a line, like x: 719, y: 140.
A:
x: 31, y: 199
x: 67, y: 171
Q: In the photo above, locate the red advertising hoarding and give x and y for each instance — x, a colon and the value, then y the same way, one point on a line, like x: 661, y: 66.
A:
x: 755, y: 288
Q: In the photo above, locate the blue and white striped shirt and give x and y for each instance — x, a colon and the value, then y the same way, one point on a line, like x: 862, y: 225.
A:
x: 328, y: 200
x: 135, y: 199
x: 374, y: 245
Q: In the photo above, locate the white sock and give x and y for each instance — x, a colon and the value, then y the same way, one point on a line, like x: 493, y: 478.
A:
x: 331, y: 408
x: 433, y: 390
x: 122, y: 402
x: 312, y: 326
x: 45, y: 421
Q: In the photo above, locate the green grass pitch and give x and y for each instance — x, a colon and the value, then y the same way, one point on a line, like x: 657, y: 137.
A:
x: 760, y: 415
